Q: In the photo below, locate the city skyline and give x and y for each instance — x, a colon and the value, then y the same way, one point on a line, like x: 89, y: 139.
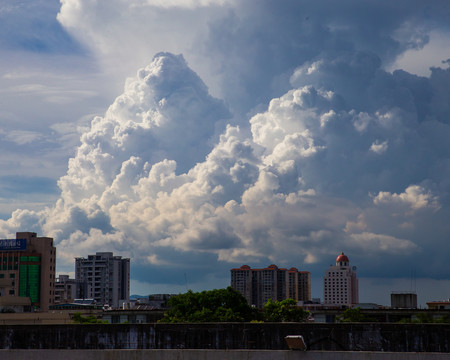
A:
x: 196, y: 136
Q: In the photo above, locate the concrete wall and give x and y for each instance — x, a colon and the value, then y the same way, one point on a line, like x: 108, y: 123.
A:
x: 264, y: 336
x: 210, y: 355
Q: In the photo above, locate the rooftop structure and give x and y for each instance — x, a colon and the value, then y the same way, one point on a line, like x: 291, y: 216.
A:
x: 403, y: 300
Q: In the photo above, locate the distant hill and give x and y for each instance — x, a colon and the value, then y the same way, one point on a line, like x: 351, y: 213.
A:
x: 134, y: 297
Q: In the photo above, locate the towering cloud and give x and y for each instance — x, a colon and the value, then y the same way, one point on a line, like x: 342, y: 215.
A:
x: 307, y: 176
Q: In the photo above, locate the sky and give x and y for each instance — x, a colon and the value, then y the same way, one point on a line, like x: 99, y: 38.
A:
x: 195, y: 136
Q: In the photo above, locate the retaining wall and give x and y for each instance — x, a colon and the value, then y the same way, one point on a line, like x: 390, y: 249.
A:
x: 264, y: 336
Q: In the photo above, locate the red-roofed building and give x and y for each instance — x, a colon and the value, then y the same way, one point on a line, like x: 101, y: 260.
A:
x: 439, y: 305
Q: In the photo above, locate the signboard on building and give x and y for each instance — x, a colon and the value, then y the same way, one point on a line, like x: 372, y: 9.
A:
x: 13, y: 244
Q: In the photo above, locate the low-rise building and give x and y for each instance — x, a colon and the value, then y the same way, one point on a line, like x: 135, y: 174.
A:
x: 439, y: 305
x: 67, y: 290
x: 141, y: 315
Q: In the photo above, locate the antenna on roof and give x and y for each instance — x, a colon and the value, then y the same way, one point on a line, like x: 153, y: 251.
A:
x: 185, y: 280
x: 413, y: 280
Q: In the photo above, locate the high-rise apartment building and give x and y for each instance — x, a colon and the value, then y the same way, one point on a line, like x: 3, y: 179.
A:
x: 27, y: 269
x: 340, y: 284
x: 107, y: 276
x: 260, y: 285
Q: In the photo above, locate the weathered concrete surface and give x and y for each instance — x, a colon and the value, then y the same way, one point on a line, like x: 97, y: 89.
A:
x: 211, y: 355
x: 263, y: 336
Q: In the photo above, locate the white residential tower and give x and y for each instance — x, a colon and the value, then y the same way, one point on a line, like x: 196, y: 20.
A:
x: 340, y: 284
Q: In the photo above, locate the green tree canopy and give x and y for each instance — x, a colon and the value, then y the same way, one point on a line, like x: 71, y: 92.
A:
x: 424, y: 318
x: 353, y: 315
x: 91, y: 319
x: 220, y: 305
x: 282, y: 311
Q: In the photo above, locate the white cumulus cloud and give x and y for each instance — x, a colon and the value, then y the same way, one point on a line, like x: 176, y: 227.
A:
x: 379, y: 148
x: 414, y: 196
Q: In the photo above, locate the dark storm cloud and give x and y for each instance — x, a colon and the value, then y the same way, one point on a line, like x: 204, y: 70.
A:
x: 256, y: 57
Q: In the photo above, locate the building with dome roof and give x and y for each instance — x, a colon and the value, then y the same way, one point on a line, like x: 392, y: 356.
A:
x: 340, y: 284
x: 272, y: 282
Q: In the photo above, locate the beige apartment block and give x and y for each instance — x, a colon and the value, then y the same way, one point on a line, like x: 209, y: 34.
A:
x: 272, y: 282
x: 27, y: 271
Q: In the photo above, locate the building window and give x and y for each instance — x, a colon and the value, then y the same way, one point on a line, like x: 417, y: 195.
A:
x: 12, y: 276
x: 11, y: 292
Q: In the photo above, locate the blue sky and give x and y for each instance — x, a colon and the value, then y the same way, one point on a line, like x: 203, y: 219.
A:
x: 197, y: 136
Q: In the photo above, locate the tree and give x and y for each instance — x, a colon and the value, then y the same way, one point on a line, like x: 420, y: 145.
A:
x: 353, y: 315
x: 219, y: 305
x: 423, y: 318
x: 282, y: 311
x: 91, y: 319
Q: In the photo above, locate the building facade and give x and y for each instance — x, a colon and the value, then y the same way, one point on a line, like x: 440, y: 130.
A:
x: 27, y: 269
x: 67, y: 290
x: 260, y: 285
x: 340, y: 284
x: 107, y: 278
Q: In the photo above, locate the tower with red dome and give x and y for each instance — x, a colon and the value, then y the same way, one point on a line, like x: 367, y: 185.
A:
x: 342, y: 260
x: 340, y: 284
